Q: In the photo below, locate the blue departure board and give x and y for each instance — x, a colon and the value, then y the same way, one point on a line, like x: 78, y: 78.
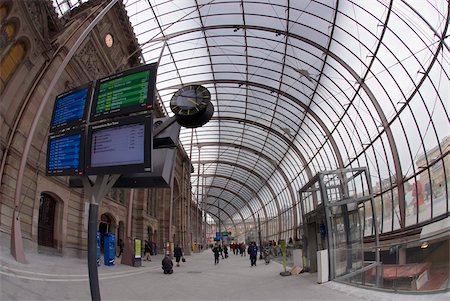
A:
x: 65, y: 154
x: 70, y: 108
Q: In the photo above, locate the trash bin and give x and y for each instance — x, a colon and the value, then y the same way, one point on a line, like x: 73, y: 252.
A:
x: 98, y: 248
x: 322, y: 266
x: 110, y: 249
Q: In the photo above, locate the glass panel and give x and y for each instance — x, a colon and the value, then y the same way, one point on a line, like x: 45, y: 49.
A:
x: 214, y: 13
x: 368, y: 219
x: 437, y: 190
x: 346, y: 242
x: 419, y: 195
x: 396, y: 214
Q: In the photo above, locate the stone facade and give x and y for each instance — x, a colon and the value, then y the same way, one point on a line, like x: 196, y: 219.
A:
x: 48, y: 39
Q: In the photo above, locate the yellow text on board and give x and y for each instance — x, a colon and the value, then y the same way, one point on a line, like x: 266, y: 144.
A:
x: 137, y: 248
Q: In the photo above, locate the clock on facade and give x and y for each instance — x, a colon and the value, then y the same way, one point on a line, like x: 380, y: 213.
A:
x: 109, y: 40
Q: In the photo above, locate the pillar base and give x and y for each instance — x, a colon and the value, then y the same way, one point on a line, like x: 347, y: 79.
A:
x: 16, y: 239
x: 128, y: 253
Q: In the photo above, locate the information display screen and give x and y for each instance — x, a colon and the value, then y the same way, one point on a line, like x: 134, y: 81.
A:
x: 71, y: 108
x: 65, y: 153
x: 123, y: 93
x: 118, y: 146
x: 122, y: 146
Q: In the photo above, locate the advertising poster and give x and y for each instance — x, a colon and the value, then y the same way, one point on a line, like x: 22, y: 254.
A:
x: 137, y: 248
x: 283, y: 252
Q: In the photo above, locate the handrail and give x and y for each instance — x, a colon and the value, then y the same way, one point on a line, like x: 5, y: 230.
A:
x: 374, y: 264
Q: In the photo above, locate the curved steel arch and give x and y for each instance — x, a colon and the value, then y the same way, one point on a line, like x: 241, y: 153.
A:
x: 355, y: 75
x: 245, y: 168
x: 226, y: 213
x: 281, y: 171
x: 249, y: 170
x: 263, y: 207
x: 308, y: 110
x: 234, y: 225
x: 229, y: 202
x: 288, y: 142
x: 276, y: 133
x: 358, y: 79
x: 375, y: 103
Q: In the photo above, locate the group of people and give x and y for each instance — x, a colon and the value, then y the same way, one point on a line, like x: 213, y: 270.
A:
x: 238, y: 248
x: 219, y: 251
x: 150, y: 249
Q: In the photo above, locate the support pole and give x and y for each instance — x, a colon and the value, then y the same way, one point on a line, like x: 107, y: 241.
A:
x: 204, y: 242
x: 259, y: 235
x: 96, y: 191
x: 378, y: 282
x: 128, y: 246
x: 92, y: 252
x: 171, y: 206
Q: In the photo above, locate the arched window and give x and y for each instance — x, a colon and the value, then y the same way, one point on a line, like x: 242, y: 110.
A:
x: 46, y: 224
x: 10, y: 61
x: 7, y: 33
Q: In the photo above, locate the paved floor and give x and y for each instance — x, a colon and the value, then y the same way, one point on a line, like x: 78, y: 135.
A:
x: 59, y: 278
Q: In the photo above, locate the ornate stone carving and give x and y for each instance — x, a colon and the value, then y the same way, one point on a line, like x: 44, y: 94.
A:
x: 27, y: 62
x: 89, y: 58
x: 37, y: 15
x: 68, y: 85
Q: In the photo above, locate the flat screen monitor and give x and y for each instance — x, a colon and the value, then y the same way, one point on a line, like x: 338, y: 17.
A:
x: 124, y: 93
x: 161, y: 175
x: 71, y: 108
x: 65, y: 153
x: 120, y: 147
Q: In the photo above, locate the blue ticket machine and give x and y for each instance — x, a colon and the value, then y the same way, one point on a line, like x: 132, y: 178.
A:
x: 98, y: 248
x: 110, y: 249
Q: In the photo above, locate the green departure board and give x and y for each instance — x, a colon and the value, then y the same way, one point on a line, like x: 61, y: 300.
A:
x: 123, y: 92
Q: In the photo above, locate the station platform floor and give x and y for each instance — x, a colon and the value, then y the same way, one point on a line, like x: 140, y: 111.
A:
x: 49, y: 277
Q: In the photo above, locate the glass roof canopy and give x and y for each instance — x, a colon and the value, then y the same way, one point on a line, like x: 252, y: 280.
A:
x: 301, y: 87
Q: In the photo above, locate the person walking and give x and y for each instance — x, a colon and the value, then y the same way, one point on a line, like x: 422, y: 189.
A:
x: 221, y: 251
x: 147, y: 250
x: 242, y: 249
x: 252, y: 252
x: 225, y: 251
x: 178, y: 253
x: 120, y: 247
x: 154, y: 248
x: 216, y: 254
